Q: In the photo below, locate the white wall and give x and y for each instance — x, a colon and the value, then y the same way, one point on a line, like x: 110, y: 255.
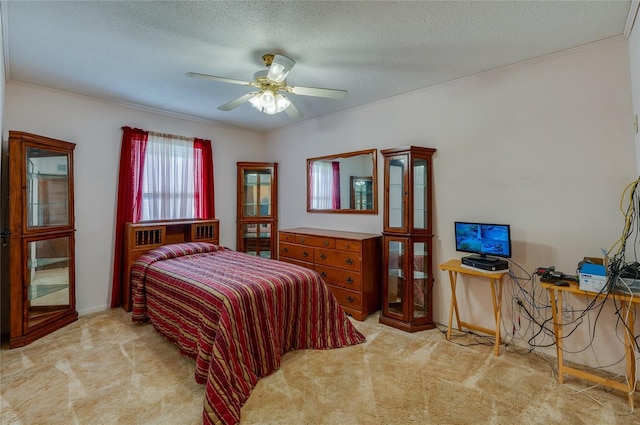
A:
x: 95, y: 127
x: 634, y: 61
x: 545, y: 146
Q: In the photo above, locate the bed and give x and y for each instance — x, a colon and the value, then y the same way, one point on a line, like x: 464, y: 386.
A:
x: 235, y: 314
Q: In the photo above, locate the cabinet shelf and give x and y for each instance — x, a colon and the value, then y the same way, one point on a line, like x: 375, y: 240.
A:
x: 36, y: 263
x: 39, y: 291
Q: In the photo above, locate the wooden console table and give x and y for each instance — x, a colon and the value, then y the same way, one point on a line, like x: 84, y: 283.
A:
x: 629, y: 386
x: 454, y: 267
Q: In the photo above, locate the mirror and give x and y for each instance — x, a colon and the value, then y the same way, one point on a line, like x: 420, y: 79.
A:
x: 343, y: 183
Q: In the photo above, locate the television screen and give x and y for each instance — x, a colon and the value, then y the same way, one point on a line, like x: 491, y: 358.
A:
x: 484, y: 239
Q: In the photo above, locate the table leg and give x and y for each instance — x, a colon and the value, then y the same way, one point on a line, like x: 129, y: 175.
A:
x: 556, y: 306
x: 629, y: 342
x: 453, y: 276
x: 497, y: 305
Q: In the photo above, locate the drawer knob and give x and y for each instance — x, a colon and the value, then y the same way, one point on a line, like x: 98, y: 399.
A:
x: 349, y: 279
x: 285, y: 250
x: 323, y: 274
x: 323, y: 257
x: 325, y: 243
x: 302, y: 240
x: 350, y: 299
x: 347, y: 246
x: 305, y: 254
x: 349, y: 261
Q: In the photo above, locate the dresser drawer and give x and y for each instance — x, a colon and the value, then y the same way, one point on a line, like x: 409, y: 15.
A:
x: 346, y: 298
x: 347, y: 245
x: 339, y: 259
x: 320, y: 241
x: 297, y: 252
x: 297, y: 262
x: 286, y: 237
x: 344, y: 278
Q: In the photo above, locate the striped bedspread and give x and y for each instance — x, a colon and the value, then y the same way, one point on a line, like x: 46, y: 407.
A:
x: 236, y: 315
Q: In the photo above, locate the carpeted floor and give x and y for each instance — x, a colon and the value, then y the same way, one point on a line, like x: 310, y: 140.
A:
x: 104, y: 369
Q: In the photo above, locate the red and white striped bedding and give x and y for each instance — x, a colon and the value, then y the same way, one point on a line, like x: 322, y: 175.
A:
x: 235, y: 314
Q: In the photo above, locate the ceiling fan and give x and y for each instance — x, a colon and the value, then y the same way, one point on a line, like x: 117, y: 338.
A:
x: 270, y: 84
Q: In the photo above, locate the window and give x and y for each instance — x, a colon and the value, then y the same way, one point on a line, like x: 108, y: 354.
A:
x: 168, y: 179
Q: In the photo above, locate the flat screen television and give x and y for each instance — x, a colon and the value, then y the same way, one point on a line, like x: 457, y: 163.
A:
x: 486, y: 240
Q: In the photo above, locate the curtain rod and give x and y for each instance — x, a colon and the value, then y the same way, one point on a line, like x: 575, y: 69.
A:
x: 172, y: 136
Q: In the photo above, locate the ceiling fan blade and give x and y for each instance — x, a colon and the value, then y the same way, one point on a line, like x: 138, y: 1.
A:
x: 293, y: 112
x: 318, y: 92
x: 220, y: 79
x: 279, y: 68
x: 237, y: 102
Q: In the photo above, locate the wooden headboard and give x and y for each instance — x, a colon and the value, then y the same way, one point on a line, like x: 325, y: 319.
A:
x: 143, y: 236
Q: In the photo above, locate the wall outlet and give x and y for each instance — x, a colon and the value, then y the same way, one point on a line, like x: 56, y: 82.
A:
x: 567, y: 312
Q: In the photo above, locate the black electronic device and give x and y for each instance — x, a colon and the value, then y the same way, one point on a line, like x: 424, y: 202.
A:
x: 486, y: 240
x: 492, y: 265
x: 561, y: 283
x: 630, y: 271
x: 551, y: 276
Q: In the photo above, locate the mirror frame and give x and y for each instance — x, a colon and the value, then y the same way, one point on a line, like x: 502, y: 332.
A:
x: 374, y: 177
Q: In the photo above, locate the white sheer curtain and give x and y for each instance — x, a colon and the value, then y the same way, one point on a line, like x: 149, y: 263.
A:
x: 322, y: 185
x: 168, y: 178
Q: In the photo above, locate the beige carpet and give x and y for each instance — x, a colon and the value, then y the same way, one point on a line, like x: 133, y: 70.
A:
x: 105, y: 370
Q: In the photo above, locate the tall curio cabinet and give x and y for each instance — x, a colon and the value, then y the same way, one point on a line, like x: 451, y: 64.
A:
x: 257, y: 208
x: 41, y: 243
x: 407, y: 236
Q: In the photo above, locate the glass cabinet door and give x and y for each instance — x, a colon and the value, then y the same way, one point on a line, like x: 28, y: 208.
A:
x: 421, y: 280
x: 420, y: 194
x: 47, y: 188
x: 396, y: 192
x: 396, y: 279
x: 49, y: 278
x: 257, y: 193
x: 256, y: 239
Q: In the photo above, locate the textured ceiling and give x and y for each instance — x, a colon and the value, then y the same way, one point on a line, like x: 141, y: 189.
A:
x: 138, y: 52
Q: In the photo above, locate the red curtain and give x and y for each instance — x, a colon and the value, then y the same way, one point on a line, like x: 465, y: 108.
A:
x: 204, y: 199
x: 129, y: 208
x: 335, y: 180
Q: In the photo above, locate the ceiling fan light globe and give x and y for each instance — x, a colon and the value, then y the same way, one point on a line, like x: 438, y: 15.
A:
x: 279, y: 68
x: 270, y: 102
x: 256, y: 101
x: 282, y: 103
x: 277, y: 73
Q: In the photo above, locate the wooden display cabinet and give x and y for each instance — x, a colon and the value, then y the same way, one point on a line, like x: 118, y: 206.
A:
x: 407, y: 235
x: 41, y: 243
x: 257, y: 211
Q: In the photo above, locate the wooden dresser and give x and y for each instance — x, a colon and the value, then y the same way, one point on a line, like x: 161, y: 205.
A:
x: 349, y: 263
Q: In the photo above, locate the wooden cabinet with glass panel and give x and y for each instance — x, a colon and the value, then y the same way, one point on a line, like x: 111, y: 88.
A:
x: 41, y: 243
x: 407, y: 234
x: 257, y: 210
